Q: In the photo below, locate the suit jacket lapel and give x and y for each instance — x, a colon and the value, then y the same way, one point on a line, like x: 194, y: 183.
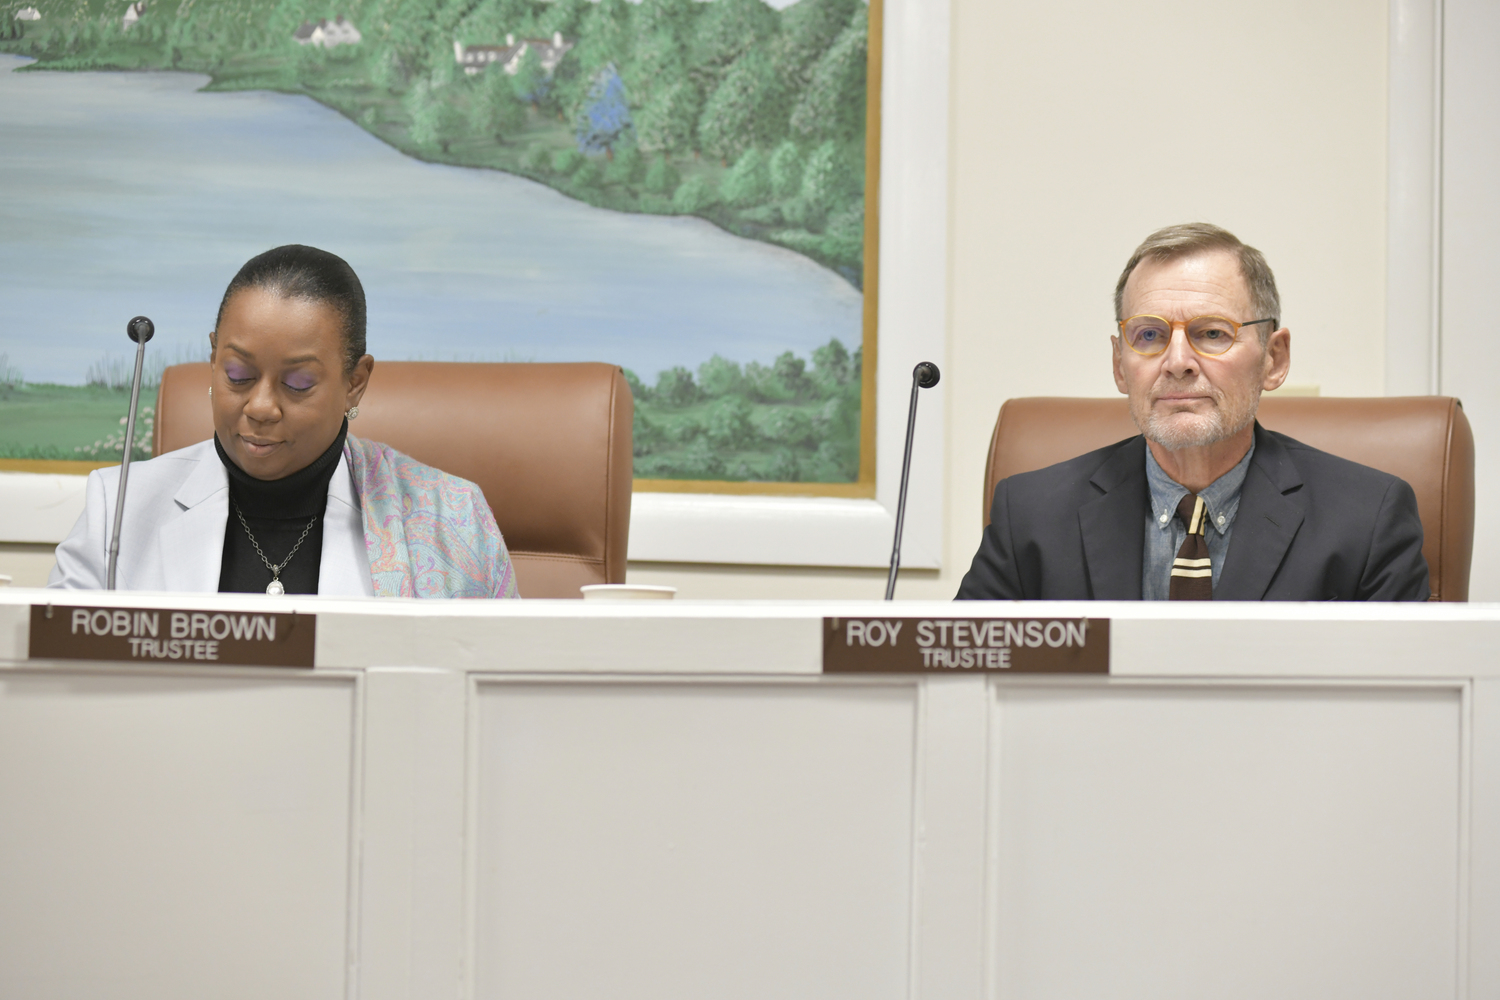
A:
x: 192, y: 543
x: 1271, y: 512
x: 1113, y: 525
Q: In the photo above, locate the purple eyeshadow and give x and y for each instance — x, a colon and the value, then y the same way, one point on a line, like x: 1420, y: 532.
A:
x: 300, y: 381
x: 236, y: 372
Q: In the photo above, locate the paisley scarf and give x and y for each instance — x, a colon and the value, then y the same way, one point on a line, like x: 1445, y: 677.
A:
x: 428, y: 534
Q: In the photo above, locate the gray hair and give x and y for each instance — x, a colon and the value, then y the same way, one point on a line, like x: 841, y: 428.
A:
x: 1193, y: 238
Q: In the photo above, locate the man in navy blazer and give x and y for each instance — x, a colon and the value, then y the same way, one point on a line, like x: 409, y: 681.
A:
x: 1204, y: 495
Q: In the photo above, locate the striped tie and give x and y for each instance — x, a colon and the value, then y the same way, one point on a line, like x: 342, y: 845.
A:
x: 1192, y: 572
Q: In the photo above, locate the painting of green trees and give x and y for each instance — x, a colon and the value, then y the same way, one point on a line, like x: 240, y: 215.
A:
x: 784, y: 422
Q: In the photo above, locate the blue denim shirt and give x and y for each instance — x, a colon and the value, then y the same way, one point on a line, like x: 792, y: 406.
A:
x: 1165, y: 532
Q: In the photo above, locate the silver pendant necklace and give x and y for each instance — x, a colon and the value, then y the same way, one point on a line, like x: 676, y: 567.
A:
x: 274, y: 587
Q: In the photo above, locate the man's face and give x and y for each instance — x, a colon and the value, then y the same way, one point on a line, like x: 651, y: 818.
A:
x: 1179, y: 398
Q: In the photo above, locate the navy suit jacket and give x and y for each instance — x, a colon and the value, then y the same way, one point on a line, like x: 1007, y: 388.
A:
x: 1311, y: 527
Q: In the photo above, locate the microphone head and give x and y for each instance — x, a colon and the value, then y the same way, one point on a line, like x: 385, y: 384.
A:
x: 926, y: 374
x: 140, y: 329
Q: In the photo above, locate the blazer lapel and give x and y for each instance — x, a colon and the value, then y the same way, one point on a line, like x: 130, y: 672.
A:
x: 192, y: 543
x: 1271, y: 512
x: 1113, y: 525
x: 345, y: 567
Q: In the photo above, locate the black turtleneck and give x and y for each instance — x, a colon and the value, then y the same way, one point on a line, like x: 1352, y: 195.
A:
x: 277, y: 510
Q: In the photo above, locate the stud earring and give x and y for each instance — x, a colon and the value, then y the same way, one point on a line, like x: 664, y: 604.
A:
x: 210, y: 392
x: 351, y: 413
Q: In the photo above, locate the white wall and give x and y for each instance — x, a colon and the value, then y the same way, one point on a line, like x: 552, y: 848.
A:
x: 1080, y: 126
x: 1470, y: 352
x: 26, y: 565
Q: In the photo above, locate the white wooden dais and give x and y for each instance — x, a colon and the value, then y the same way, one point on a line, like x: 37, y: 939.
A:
x: 559, y: 800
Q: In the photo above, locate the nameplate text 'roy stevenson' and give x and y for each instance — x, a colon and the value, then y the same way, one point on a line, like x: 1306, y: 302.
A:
x: 966, y: 645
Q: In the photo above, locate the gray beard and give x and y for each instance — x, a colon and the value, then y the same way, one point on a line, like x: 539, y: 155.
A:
x: 1180, y: 431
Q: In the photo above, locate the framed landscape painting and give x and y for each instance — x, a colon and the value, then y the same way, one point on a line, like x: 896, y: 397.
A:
x: 685, y: 188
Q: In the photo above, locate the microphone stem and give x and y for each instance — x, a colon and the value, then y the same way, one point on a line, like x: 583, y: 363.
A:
x: 135, y: 397
x: 911, y: 429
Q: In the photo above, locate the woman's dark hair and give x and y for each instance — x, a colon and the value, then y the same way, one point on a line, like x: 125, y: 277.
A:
x: 298, y: 272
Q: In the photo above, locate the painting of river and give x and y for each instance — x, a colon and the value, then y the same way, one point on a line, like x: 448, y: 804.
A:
x: 142, y: 192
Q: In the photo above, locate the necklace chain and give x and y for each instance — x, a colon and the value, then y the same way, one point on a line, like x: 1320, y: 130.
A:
x: 275, y: 570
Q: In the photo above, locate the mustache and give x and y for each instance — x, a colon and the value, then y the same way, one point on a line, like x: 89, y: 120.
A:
x: 1201, y: 386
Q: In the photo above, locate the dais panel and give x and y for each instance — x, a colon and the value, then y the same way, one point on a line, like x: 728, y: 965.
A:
x: 723, y: 840
x: 1232, y: 841
x: 173, y: 836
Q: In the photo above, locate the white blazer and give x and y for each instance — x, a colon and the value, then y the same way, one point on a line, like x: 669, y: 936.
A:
x: 176, y: 509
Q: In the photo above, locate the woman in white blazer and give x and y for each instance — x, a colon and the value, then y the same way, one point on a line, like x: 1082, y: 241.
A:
x: 282, y: 499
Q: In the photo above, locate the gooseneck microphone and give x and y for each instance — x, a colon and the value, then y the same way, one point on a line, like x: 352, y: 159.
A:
x: 924, y: 376
x: 140, y: 330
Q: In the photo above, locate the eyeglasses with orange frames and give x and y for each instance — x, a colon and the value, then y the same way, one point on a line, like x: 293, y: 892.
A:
x: 1210, y: 336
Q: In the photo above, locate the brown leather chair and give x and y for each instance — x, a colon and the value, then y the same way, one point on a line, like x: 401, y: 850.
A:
x: 1424, y: 440
x: 549, y: 444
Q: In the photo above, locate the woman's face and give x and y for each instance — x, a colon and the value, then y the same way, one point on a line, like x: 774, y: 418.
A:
x: 279, y: 388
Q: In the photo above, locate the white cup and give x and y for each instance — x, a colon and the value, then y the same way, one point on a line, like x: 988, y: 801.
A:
x: 627, y: 592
